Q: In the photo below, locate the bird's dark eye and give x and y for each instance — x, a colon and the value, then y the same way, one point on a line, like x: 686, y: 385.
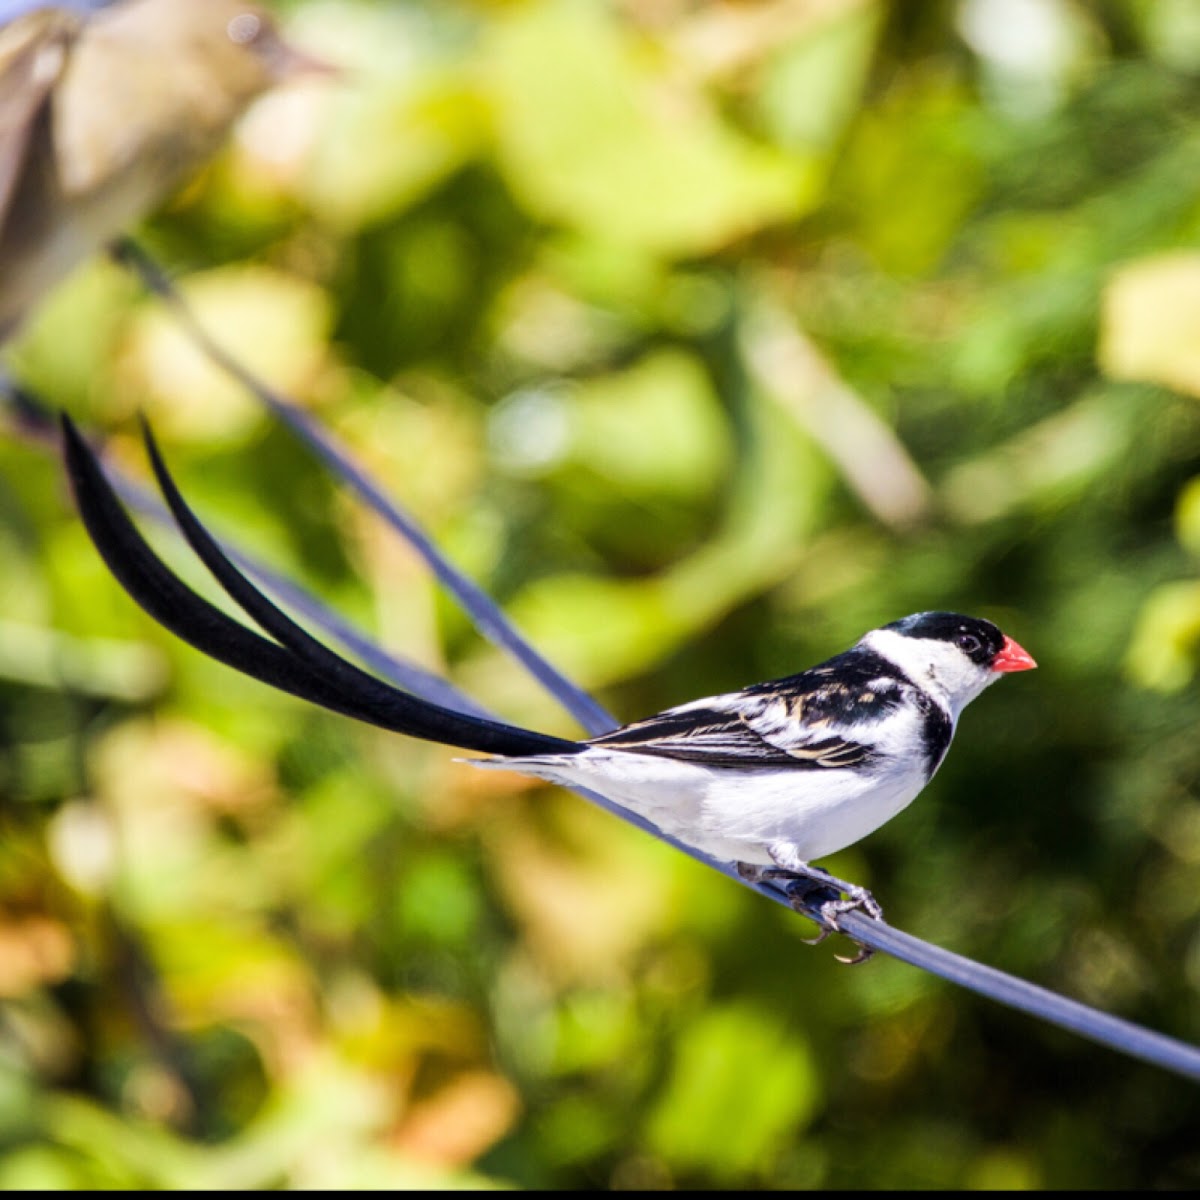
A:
x: 245, y: 28
x: 969, y: 644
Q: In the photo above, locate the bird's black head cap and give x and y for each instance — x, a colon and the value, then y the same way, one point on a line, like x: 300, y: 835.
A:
x: 978, y: 639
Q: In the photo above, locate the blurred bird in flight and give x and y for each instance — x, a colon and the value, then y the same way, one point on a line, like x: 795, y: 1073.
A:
x: 104, y: 114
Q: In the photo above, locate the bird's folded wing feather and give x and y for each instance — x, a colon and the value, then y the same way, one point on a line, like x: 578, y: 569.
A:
x: 742, y: 730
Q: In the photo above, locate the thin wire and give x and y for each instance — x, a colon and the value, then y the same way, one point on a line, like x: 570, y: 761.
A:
x: 1117, y: 1034
x: 1113, y: 1032
x: 482, y: 609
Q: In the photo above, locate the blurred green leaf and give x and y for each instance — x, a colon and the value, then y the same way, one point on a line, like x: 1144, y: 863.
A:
x: 273, y: 323
x: 814, y: 83
x: 912, y: 173
x: 1164, y: 647
x: 741, y: 1087
x: 1151, y: 327
x: 622, y: 425
x: 592, y: 134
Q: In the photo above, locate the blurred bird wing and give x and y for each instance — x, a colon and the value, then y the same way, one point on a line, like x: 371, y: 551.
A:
x: 114, y: 104
x: 33, y: 52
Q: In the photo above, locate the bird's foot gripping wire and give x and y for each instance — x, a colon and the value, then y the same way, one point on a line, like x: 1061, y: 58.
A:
x: 814, y: 892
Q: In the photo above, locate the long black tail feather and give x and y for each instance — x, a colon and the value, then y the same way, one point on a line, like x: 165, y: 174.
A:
x: 296, y: 663
x: 352, y: 682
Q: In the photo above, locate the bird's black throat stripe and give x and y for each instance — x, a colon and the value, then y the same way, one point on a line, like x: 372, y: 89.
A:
x: 939, y: 729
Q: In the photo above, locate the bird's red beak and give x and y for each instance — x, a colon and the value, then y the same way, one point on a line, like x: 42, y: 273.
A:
x: 1013, y: 657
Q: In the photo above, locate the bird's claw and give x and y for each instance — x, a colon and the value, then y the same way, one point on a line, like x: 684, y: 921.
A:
x: 801, y: 890
x: 864, y: 953
x: 858, y: 898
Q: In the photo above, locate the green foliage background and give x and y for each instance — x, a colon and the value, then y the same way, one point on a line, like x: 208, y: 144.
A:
x: 705, y: 337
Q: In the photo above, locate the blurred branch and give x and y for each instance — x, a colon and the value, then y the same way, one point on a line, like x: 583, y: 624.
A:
x: 144, y: 992
x: 484, y: 612
x: 869, y: 456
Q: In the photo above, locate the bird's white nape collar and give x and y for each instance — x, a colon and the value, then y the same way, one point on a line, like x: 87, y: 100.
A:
x: 937, y: 666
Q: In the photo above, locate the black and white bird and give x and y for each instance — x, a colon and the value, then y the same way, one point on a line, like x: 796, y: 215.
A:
x: 769, y: 778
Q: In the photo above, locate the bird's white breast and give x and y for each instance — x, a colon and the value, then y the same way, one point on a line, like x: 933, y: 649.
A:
x: 734, y: 814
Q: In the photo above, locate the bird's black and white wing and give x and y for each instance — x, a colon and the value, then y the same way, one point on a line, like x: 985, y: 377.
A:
x: 807, y: 720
